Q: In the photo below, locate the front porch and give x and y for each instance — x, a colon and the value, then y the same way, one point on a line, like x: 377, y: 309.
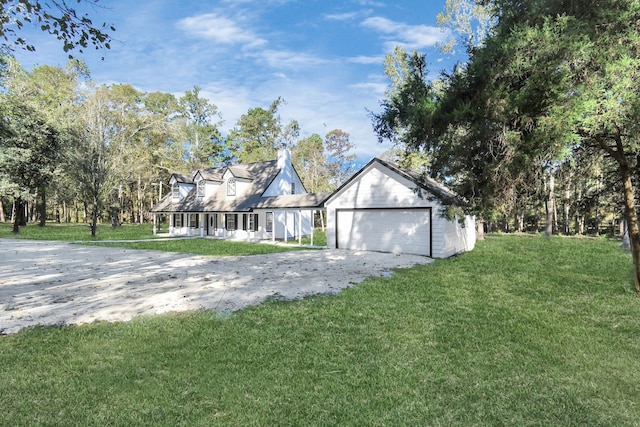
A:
x: 286, y: 225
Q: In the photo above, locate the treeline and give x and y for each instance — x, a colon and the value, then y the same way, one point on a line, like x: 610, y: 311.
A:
x: 75, y: 151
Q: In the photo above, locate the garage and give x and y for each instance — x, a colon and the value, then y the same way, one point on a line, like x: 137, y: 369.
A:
x: 387, y: 209
x: 379, y: 229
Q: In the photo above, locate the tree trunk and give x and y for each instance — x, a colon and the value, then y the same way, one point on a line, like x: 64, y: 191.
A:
x: 566, y: 218
x: 598, y: 189
x: 43, y: 208
x: 140, y: 201
x: 1, y: 211
x: 17, y: 215
x: 94, y: 220
x: 632, y: 223
x: 551, y: 207
x: 24, y: 213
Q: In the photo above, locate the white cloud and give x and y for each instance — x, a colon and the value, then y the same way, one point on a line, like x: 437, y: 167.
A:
x: 371, y: 87
x: 221, y: 29
x: 405, y: 35
x: 342, y: 16
x: 367, y: 60
x: 284, y: 59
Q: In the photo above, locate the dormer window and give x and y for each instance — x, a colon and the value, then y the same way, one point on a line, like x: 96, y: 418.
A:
x: 201, y: 188
x: 231, y: 187
x: 293, y: 188
x: 175, y: 190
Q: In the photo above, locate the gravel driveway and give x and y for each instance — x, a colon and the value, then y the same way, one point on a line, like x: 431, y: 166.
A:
x: 53, y: 283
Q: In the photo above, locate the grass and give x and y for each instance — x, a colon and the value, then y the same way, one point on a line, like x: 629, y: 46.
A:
x: 520, y: 331
x: 81, y: 233
x: 77, y: 232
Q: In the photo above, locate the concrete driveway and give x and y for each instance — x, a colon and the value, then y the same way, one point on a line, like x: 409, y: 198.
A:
x: 53, y: 283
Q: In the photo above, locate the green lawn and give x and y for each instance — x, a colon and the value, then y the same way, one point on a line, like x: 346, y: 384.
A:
x: 77, y: 232
x: 520, y: 331
x: 81, y: 233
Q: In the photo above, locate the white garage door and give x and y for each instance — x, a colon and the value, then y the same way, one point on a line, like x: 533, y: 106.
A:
x: 385, y: 230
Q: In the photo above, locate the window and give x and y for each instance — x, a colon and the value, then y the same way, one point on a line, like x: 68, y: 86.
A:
x: 201, y: 188
x: 177, y: 220
x: 175, y: 190
x: 293, y: 188
x: 253, y: 222
x: 231, y: 221
x: 194, y: 220
x: 269, y: 225
x: 231, y: 187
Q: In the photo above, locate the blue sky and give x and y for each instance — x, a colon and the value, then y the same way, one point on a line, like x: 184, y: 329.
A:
x: 324, y: 58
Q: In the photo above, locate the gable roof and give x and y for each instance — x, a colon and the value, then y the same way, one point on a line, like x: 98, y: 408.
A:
x: 211, y: 174
x: 260, y: 176
x: 422, y: 181
x: 183, y: 178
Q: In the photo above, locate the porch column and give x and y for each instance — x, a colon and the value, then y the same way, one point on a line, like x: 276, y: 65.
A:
x: 155, y: 229
x: 286, y: 214
x: 300, y: 227
x: 171, y: 224
x: 224, y: 226
x: 313, y: 216
x: 273, y: 227
x: 202, y: 224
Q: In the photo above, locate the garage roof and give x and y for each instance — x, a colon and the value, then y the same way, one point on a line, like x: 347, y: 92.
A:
x: 421, y: 180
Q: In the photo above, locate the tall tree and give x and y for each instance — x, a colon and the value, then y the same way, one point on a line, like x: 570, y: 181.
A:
x: 340, y: 158
x: 28, y: 153
x: 311, y: 163
x: 203, y: 140
x: 259, y: 134
x: 51, y: 91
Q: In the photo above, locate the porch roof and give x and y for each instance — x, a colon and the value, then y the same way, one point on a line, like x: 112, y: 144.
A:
x: 293, y: 201
x: 192, y: 203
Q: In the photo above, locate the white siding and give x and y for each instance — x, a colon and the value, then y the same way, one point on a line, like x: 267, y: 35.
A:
x: 282, y: 184
x: 380, y: 187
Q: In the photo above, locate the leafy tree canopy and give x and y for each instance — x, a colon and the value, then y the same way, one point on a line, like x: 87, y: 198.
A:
x: 56, y: 17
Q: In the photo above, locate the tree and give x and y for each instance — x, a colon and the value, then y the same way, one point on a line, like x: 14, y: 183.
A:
x: 552, y: 77
x: 311, y: 163
x: 259, y: 134
x: 28, y: 153
x: 51, y: 92
x: 74, y: 29
x: 472, y: 21
x: 203, y: 140
x: 407, y: 106
x: 341, y: 164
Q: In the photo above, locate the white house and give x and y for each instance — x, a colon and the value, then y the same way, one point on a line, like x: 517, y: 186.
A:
x: 387, y: 209
x: 256, y: 201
